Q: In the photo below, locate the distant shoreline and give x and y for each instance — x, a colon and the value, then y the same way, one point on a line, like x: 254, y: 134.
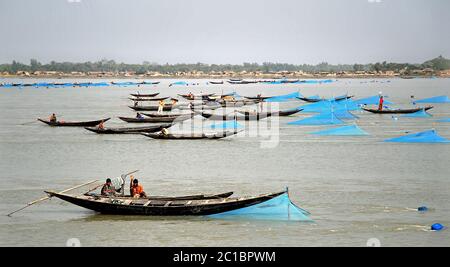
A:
x: 215, y: 77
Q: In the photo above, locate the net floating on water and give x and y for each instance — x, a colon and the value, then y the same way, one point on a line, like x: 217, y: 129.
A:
x: 329, y: 106
x: 280, y: 208
x: 321, y: 119
x: 423, y: 137
x: 284, y: 98
x: 226, y: 125
x: 419, y: 114
x: 350, y: 130
x: 444, y: 120
x: 372, y: 100
x: 434, y: 100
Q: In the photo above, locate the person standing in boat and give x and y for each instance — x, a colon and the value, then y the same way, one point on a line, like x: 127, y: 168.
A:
x: 381, y: 102
x: 136, y: 190
x: 108, y: 189
x: 101, y: 126
x: 161, y: 106
x: 53, y: 118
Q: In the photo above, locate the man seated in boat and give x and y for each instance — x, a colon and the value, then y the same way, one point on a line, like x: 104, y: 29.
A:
x: 164, y: 132
x: 101, y: 126
x: 52, y: 118
x: 108, y: 189
x: 136, y: 190
x: 139, y: 116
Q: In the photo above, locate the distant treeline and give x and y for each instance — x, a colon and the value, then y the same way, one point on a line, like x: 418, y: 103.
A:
x: 439, y: 63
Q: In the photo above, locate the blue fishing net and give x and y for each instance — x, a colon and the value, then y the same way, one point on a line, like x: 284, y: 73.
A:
x: 350, y: 130
x: 373, y: 100
x: 277, y: 209
x: 179, y: 83
x: 321, y: 119
x: 419, y: 114
x: 444, y: 120
x: 436, y: 99
x: 226, y: 125
x: 423, y: 137
x: 329, y: 106
x: 314, y: 81
x: 284, y: 98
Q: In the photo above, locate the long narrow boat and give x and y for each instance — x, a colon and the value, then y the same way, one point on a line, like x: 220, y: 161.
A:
x: 168, y: 107
x: 216, y: 82
x: 145, y: 95
x: 157, y: 115
x: 166, y: 198
x: 155, y: 120
x: 139, y: 99
x: 262, y: 98
x: 194, y: 97
x: 396, y: 111
x: 315, y: 100
x: 73, y: 124
x: 191, y: 136
x: 245, y: 117
x: 281, y: 113
x: 129, y: 130
x: 150, y: 207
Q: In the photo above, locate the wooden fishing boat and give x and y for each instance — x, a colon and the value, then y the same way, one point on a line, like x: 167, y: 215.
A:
x: 167, y: 107
x: 129, y: 130
x: 157, y: 115
x: 315, y: 100
x: 244, y: 117
x: 140, y: 99
x: 73, y: 124
x: 155, y: 120
x: 191, y: 136
x: 396, y: 111
x: 167, y: 198
x: 145, y: 95
x: 161, y: 207
x: 194, y: 97
x: 262, y: 98
x: 241, y: 82
x: 216, y: 82
x: 281, y: 113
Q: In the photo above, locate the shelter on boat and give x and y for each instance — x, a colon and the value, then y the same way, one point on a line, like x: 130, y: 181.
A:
x: 279, y: 208
x: 423, y: 137
x: 437, y: 99
x: 419, y: 114
x: 349, y: 130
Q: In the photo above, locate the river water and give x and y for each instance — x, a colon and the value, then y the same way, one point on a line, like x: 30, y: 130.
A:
x: 356, y: 188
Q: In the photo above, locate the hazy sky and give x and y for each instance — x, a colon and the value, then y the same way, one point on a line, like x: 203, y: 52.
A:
x: 224, y: 31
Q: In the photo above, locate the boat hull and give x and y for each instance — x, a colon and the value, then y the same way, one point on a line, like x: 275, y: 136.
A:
x: 397, y: 111
x: 74, y: 124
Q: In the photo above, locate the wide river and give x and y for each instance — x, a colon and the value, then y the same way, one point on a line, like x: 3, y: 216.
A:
x: 356, y: 188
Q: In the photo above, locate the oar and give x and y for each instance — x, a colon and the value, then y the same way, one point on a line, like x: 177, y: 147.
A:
x: 30, y: 122
x: 48, y: 197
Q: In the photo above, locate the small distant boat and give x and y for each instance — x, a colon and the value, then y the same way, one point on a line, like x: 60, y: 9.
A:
x: 145, y: 95
x: 241, y: 82
x: 216, y: 82
x: 175, y: 206
x: 155, y: 120
x: 396, y: 111
x: 139, y: 99
x: 194, y: 97
x: 280, y: 113
x: 129, y: 130
x: 157, y: 115
x: 190, y: 136
x: 257, y: 97
x: 73, y: 124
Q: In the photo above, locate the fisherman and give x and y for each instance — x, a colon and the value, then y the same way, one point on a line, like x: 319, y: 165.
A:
x: 164, y: 132
x: 174, y: 101
x: 139, y: 116
x: 53, y: 118
x: 136, y: 190
x: 161, y: 106
x: 381, y: 102
x: 108, y: 189
x: 101, y: 126
x: 135, y: 103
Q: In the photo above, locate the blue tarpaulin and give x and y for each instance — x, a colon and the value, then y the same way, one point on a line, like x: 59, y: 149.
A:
x: 350, y: 130
x: 277, y: 209
x: 423, y: 137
